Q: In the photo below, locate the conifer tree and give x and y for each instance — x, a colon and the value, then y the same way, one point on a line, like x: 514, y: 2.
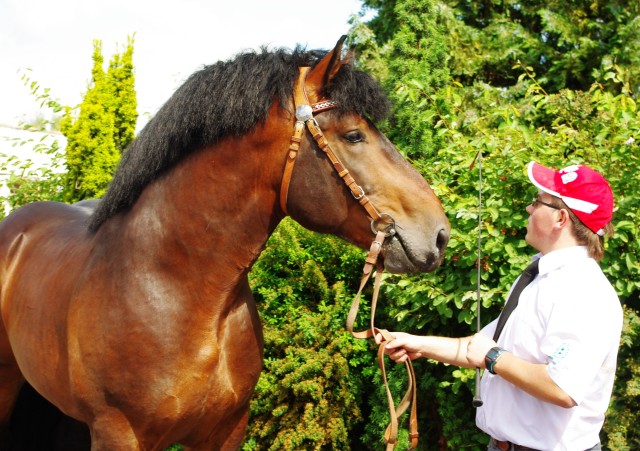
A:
x: 122, y: 81
x: 416, y: 56
x: 103, y: 128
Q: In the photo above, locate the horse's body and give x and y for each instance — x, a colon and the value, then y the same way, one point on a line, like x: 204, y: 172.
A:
x: 142, y: 325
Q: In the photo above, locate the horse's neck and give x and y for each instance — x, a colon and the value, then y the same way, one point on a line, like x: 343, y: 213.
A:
x: 218, y: 207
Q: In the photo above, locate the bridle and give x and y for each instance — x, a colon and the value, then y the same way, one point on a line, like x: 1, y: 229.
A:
x: 382, y: 226
x: 304, y: 116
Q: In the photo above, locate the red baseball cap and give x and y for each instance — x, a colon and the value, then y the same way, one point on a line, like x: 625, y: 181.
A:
x: 584, y: 191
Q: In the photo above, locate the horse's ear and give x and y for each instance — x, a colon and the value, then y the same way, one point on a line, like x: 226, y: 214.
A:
x: 327, y: 68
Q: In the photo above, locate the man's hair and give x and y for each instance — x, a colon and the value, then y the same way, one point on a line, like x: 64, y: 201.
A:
x: 584, y: 235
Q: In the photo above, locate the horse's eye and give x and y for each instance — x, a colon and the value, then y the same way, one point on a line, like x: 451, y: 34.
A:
x: 354, y: 136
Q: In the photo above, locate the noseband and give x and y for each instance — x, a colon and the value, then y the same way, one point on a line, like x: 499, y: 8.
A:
x: 382, y: 226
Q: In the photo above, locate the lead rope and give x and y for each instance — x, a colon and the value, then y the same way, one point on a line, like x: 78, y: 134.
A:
x: 409, y: 399
x: 304, y: 116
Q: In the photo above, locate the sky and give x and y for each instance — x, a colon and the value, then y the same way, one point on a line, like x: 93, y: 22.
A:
x: 51, y: 41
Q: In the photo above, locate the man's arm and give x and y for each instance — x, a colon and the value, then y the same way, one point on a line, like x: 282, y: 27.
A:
x: 469, y: 352
x: 443, y: 349
x: 532, y: 378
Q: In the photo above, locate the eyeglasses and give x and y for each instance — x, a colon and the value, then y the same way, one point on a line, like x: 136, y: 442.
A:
x: 538, y: 201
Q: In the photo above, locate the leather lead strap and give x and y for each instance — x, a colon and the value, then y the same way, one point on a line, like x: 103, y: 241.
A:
x: 409, y: 399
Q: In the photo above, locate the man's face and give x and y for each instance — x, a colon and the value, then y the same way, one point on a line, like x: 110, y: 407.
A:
x: 543, y: 214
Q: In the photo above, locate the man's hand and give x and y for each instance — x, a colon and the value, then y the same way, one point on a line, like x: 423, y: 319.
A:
x: 404, y: 346
x: 477, y: 349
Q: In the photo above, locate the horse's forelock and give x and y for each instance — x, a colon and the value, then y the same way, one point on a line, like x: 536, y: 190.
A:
x: 358, y: 92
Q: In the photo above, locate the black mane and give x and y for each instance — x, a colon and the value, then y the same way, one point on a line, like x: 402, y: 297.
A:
x: 228, y: 98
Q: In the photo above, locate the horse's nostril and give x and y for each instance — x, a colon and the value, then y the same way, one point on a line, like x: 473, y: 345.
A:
x: 442, y: 239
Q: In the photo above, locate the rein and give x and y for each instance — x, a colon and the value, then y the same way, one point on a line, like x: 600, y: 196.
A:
x: 382, y: 226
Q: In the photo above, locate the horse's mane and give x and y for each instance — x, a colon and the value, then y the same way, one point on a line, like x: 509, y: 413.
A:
x: 228, y: 98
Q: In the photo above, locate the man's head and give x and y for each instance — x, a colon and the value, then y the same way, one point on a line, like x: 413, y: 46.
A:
x: 584, y: 194
x: 583, y: 190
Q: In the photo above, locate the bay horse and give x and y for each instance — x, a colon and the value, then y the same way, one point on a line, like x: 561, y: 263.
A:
x: 133, y: 314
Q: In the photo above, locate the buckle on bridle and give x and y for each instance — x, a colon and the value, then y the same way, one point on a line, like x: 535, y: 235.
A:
x: 389, y: 227
x: 359, y: 196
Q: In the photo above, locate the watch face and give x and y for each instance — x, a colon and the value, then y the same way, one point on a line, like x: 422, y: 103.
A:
x: 492, y: 357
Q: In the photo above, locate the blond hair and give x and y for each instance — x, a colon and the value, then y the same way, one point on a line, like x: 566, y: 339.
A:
x: 584, y: 235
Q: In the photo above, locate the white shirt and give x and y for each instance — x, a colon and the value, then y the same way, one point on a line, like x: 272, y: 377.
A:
x: 570, y: 318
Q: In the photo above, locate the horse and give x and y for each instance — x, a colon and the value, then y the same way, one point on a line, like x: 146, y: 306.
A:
x: 133, y: 314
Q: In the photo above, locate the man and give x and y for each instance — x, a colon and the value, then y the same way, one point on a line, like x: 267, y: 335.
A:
x: 550, y: 371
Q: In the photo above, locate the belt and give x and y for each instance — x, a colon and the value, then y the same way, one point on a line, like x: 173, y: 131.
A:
x: 505, y: 446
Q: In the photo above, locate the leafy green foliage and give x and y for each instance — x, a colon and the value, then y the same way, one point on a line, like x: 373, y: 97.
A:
x: 43, y: 96
x: 621, y: 423
x: 307, y: 395
x: 483, y: 125
x: 30, y: 181
x: 416, y: 58
x: 314, y: 405
x: 594, y: 128
x: 450, y: 131
x: 95, y: 140
x: 569, y: 44
x: 123, y: 95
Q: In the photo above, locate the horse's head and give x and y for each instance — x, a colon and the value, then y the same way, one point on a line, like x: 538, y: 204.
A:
x: 321, y: 196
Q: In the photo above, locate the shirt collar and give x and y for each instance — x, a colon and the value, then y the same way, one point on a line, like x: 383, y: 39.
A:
x: 555, y: 259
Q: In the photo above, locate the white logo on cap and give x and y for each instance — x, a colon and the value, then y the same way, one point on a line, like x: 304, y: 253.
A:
x: 569, y: 177
x: 569, y: 174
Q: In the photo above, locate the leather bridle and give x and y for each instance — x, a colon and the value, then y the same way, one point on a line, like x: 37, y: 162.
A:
x: 382, y: 226
x: 304, y: 116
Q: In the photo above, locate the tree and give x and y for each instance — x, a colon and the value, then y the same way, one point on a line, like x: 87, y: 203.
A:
x: 122, y: 81
x: 416, y: 59
x: 96, y: 138
x: 310, y: 391
x: 103, y: 128
x: 412, y: 58
x: 569, y: 43
x: 29, y: 181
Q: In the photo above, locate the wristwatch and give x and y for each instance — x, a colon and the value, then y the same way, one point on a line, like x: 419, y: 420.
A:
x: 492, y: 357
